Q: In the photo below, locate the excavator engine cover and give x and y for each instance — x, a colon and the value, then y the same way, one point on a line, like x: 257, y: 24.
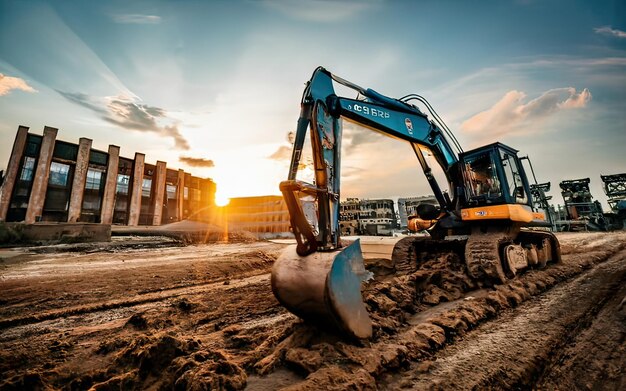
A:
x: 324, y: 288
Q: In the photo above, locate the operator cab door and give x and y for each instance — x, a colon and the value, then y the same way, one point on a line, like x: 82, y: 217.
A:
x: 493, y: 175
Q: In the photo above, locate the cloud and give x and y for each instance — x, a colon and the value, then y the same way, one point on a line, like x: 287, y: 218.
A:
x: 136, y: 19
x: 352, y: 173
x: 607, y: 30
x: 196, y: 161
x: 283, y: 153
x: 510, y: 115
x: 8, y: 83
x: 355, y: 135
x: 128, y: 114
x: 320, y: 10
x: 575, y: 100
x: 75, y: 63
x: 83, y: 100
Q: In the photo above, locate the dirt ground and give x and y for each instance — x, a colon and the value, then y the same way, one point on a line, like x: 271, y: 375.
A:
x: 153, y: 313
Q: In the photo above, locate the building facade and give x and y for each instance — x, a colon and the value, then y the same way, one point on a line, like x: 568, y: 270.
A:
x: 52, y: 180
x: 265, y: 216
x: 367, y: 217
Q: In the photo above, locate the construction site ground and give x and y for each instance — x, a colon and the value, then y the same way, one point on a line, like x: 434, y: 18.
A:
x: 155, y: 313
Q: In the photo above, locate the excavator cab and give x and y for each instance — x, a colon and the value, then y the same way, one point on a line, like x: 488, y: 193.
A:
x: 494, y: 175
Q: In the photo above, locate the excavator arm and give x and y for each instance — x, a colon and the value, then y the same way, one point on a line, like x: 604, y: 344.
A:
x: 321, y: 113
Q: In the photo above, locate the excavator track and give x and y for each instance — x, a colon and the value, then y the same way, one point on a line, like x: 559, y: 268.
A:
x: 547, y: 244
x: 481, y: 253
x: 482, y: 256
x: 425, y: 272
x: 404, y: 254
x: 410, y: 253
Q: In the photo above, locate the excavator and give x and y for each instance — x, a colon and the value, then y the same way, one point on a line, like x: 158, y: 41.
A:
x: 487, y: 205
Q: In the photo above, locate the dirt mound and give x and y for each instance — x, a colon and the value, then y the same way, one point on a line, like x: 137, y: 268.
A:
x: 163, y: 361
x: 189, y: 226
x: 189, y: 232
x: 437, y: 273
x: 201, y: 232
x: 27, y: 381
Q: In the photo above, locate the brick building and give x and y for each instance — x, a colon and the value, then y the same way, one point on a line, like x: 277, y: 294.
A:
x: 52, y: 180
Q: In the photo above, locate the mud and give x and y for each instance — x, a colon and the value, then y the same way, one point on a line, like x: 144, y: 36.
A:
x: 203, y: 317
x: 527, y: 343
x: 596, y: 354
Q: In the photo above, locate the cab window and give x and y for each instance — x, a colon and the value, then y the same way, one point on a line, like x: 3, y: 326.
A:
x: 482, y: 178
x: 513, y: 178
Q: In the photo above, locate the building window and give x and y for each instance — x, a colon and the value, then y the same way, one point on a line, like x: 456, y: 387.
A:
x: 28, y: 169
x: 94, y: 179
x: 186, y: 193
x: 171, y: 192
x: 91, y: 203
x: 65, y: 151
x: 33, y: 145
x: 146, y: 186
x: 59, y: 174
x: 99, y: 158
x: 122, y: 184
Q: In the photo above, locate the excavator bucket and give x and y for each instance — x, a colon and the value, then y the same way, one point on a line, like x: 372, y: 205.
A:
x: 324, y: 288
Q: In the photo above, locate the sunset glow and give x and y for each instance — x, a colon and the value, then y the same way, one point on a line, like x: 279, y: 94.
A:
x: 221, y: 200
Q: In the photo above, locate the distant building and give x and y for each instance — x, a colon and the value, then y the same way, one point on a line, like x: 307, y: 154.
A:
x: 408, y: 207
x: 52, y: 180
x: 349, y: 214
x: 265, y: 216
x: 367, y: 217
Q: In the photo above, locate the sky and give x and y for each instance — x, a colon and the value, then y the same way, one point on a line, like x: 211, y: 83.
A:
x: 214, y: 87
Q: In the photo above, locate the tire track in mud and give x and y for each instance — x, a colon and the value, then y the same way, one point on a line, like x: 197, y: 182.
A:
x: 222, y: 278
x: 597, y: 355
x: 164, y: 294
x: 513, y: 353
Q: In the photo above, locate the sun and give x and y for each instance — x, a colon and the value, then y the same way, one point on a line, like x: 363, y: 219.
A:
x: 221, y: 200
